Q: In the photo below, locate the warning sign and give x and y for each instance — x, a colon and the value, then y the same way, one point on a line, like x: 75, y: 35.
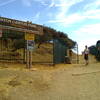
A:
x: 30, y: 45
x: 29, y: 36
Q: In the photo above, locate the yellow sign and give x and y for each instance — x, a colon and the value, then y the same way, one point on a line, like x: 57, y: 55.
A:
x: 29, y: 36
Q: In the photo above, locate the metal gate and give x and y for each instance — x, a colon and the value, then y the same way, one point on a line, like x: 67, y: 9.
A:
x: 60, y: 51
x: 12, y: 46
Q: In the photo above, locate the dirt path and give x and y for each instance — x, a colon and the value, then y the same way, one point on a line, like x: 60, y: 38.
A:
x: 63, y: 82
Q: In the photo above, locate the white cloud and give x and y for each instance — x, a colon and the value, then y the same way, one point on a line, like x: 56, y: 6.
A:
x: 87, y: 35
x: 57, y: 3
x: 64, y: 9
x: 63, y: 18
x: 36, y: 17
x: 92, y: 5
x: 52, y: 4
x: 68, y: 20
x: 7, y: 2
x: 91, y: 29
x: 27, y: 3
x: 89, y: 42
x: 44, y: 3
x: 92, y: 11
x: 92, y: 14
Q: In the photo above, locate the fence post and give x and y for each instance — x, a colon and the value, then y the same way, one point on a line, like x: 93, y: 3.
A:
x: 27, y: 56
x: 77, y: 55
x: 30, y: 59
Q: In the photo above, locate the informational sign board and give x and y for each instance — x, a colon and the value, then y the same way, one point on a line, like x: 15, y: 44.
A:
x: 29, y: 36
x: 0, y: 32
x: 12, y: 24
x: 30, y: 45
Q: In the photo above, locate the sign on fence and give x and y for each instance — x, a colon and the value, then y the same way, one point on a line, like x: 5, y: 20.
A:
x: 29, y: 36
x: 30, y: 45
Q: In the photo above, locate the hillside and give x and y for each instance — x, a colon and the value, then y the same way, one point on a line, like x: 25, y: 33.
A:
x: 43, y: 54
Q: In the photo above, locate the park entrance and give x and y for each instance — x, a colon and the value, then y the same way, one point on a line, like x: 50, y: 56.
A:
x: 14, y: 37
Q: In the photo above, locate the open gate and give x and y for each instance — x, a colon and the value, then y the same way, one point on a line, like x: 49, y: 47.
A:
x: 60, y: 51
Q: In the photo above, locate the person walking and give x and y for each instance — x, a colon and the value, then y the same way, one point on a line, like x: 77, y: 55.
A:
x: 86, y: 54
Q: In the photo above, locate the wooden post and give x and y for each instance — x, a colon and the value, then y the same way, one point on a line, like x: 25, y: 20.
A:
x: 30, y: 46
x: 77, y: 55
x: 30, y: 59
x: 27, y: 56
x: 27, y: 65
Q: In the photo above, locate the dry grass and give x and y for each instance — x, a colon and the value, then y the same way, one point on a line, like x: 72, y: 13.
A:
x: 44, y: 53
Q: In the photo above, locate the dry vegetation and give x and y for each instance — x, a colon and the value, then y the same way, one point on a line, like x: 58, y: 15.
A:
x: 44, y: 53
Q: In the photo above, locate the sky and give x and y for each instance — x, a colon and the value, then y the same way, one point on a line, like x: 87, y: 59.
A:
x: 79, y: 19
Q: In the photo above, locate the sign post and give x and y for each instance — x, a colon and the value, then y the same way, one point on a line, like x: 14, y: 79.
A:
x: 0, y: 32
x: 30, y: 46
x: 27, y: 56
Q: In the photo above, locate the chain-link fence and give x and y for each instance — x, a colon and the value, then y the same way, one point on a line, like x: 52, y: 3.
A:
x: 11, y: 46
x: 13, y: 49
x: 73, y: 55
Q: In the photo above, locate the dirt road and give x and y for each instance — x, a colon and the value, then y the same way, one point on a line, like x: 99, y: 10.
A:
x: 63, y: 82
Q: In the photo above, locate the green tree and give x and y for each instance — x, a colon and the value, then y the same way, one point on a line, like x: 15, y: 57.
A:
x: 98, y: 50
x: 95, y: 50
x: 50, y: 34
